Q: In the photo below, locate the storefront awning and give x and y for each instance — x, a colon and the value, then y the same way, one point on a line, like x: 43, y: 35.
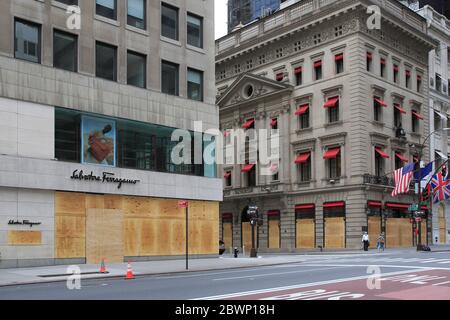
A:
x: 397, y: 106
x: 303, y: 157
x: 331, y: 153
x: 374, y: 204
x: 397, y: 205
x: 227, y: 216
x: 331, y: 102
x: 248, y: 123
x: 380, y: 102
x: 401, y: 157
x: 273, y: 213
x: 248, y: 167
x: 382, y: 61
x: 338, y: 204
x: 382, y: 153
x: 304, y: 206
x: 302, y: 109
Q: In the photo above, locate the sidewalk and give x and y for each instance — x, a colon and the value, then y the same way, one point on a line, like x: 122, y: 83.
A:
x: 118, y: 270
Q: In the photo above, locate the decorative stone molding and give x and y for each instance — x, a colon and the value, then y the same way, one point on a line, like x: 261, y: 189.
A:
x: 304, y: 145
x: 333, y: 139
x: 379, y: 139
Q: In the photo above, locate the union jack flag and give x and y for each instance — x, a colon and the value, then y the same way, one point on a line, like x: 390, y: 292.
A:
x: 441, y: 188
x: 402, y: 179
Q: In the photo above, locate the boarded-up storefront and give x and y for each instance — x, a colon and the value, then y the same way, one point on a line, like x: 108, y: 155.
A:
x: 227, y: 230
x: 399, y: 232
x: 442, y: 225
x: 114, y: 226
x: 374, y: 221
x: 305, y: 226
x: 334, y: 224
x: 273, y: 225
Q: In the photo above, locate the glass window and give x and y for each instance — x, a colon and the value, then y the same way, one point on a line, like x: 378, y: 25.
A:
x: 304, y: 120
x: 169, y: 21
x: 195, y: 85
x: 136, y: 69
x: 334, y: 167
x: 339, y: 61
x: 333, y: 113
x: 305, y: 171
x: 67, y: 135
x: 397, y: 118
x: 299, y: 78
x: 169, y: 78
x: 69, y: 2
x: 195, y: 31
x: 106, y: 8
x: 414, y: 123
x: 379, y: 165
x: 136, y: 13
x: 65, y: 51
x: 106, y: 61
x: 27, y: 41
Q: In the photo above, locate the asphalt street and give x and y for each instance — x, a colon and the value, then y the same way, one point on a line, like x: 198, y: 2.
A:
x: 246, y: 283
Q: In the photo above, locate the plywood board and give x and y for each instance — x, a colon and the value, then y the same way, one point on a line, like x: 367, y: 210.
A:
x: 374, y: 226
x: 423, y: 232
x: 305, y: 233
x: 69, y: 203
x: 227, y: 234
x: 334, y: 232
x: 274, y: 234
x: 398, y: 232
x: 24, y: 238
x: 247, y: 236
x: 442, y: 230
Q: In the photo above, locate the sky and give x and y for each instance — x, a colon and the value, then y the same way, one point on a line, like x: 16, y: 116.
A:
x: 220, y: 15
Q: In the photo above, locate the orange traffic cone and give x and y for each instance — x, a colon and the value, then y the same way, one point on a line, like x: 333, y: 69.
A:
x: 102, y: 267
x: 129, y: 272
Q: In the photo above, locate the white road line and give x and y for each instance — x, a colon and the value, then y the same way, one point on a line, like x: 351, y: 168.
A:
x: 444, y: 262
x: 245, y: 293
x: 378, y: 265
x: 273, y: 274
x: 434, y: 261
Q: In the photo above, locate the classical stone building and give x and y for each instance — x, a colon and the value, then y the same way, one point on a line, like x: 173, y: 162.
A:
x: 86, y: 117
x: 351, y: 106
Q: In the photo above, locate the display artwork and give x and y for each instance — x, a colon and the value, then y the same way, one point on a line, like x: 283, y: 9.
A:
x: 98, y: 141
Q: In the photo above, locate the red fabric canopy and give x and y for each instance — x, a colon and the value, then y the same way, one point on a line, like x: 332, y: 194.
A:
x: 419, y: 77
x: 396, y: 68
x: 397, y: 106
x: 227, y: 174
x: 298, y: 70
x: 302, y: 158
x: 302, y: 109
x: 318, y: 64
x: 304, y: 206
x: 334, y: 204
x: 381, y: 153
x: 381, y: 102
x: 248, y: 123
x: 331, y: 102
x: 274, y: 122
x: 274, y: 167
x: 408, y: 73
x: 273, y: 213
x: 280, y: 76
x: 339, y: 57
x: 397, y: 205
x: 383, y: 61
x: 227, y: 216
x: 331, y: 153
x: 417, y: 115
x: 369, y: 55
x: 375, y: 204
x: 401, y: 157
x: 248, y: 167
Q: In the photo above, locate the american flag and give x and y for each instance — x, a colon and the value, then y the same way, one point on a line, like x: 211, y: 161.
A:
x: 402, y: 179
x: 441, y: 188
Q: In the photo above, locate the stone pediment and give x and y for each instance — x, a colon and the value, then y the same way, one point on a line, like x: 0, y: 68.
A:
x: 249, y: 87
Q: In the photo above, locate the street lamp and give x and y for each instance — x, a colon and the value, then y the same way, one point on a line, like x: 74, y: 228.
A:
x: 419, y: 193
x: 252, y: 212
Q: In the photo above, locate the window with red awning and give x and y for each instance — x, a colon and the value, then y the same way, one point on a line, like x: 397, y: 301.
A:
x: 369, y: 55
x: 304, y: 206
x: 331, y: 102
x: 408, y: 73
x: 396, y: 68
x: 248, y: 124
x: 339, y: 57
x: 417, y: 115
x: 399, y: 108
x: 318, y: 64
x: 383, y: 61
x: 248, y: 167
x: 381, y: 153
x: 302, y: 109
x: 331, y: 153
x: 227, y: 174
x: 280, y: 76
x: 298, y: 70
x: 374, y: 204
x: 274, y: 122
x: 380, y: 102
x: 303, y: 157
x: 401, y: 157
x: 273, y: 213
x: 397, y: 205
x: 338, y: 204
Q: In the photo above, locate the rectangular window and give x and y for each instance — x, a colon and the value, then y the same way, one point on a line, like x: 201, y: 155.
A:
x: 227, y: 177
x: 169, y: 21
x: 419, y: 83
x: 169, y: 78
x: 369, y: 59
x: 408, y: 78
x: 383, y: 67
x: 379, y: 165
x: 106, y: 8
x: 395, y: 69
x: 27, y: 41
x: 398, y: 161
x: 397, y: 116
x: 377, y: 110
x: 414, y: 123
x: 195, y: 31
x: 339, y: 61
x: 69, y: 2
x: 318, y: 70
x: 438, y: 82
x: 333, y: 113
x: 136, y: 16
x: 334, y: 167
x: 251, y: 177
x: 305, y: 170
x: 136, y: 69
x: 106, y: 61
x: 437, y: 121
x: 298, y: 76
x: 67, y: 135
x: 65, y: 51
x: 304, y: 120
x: 195, y: 84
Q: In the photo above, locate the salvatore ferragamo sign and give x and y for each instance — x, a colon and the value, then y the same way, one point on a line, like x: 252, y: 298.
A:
x: 106, y: 177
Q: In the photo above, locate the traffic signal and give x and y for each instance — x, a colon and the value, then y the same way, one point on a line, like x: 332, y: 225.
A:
x: 444, y: 170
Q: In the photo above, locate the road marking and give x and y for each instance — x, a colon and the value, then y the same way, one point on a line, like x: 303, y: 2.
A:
x: 240, y: 294
x: 273, y: 274
x: 378, y: 265
x: 434, y: 260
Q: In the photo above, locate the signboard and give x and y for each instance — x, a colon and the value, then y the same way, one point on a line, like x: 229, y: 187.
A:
x: 413, y: 207
x: 105, y: 177
x: 98, y: 141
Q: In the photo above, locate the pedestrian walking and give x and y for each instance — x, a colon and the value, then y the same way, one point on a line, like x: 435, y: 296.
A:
x: 380, y: 242
x: 365, y: 241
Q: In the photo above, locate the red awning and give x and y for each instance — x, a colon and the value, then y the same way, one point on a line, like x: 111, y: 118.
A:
x: 408, y: 73
x: 274, y: 167
x: 318, y: 64
x: 339, y: 57
x: 383, y: 61
x: 273, y: 213
x: 369, y: 55
x: 248, y: 167
x: 248, y: 123
x: 417, y: 115
x: 280, y: 76
x: 331, y: 102
x: 226, y: 133
x: 302, y: 109
x: 298, y: 70
x: 381, y: 102
x: 397, y: 205
x: 227, y: 174
x: 419, y: 77
x: 304, y: 206
x: 401, y: 157
x: 302, y: 158
x: 331, y: 153
x: 397, y: 106
x: 375, y: 204
x: 396, y: 68
x: 274, y: 122
x: 334, y: 204
x: 227, y: 216
x: 381, y: 153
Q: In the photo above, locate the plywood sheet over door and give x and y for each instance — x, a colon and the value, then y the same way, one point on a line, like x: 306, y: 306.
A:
x: 227, y: 234
x: 104, y: 233
x: 274, y: 233
x: 398, y: 232
x: 247, y: 236
x: 334, y: 232
x: 305, y: 233
x: 442, y: 226
x: 374, y: 226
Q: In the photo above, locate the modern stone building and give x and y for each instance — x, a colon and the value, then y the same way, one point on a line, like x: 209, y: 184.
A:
x: 351, y: 106
x: 439, y: 110
x: 86, y: 118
